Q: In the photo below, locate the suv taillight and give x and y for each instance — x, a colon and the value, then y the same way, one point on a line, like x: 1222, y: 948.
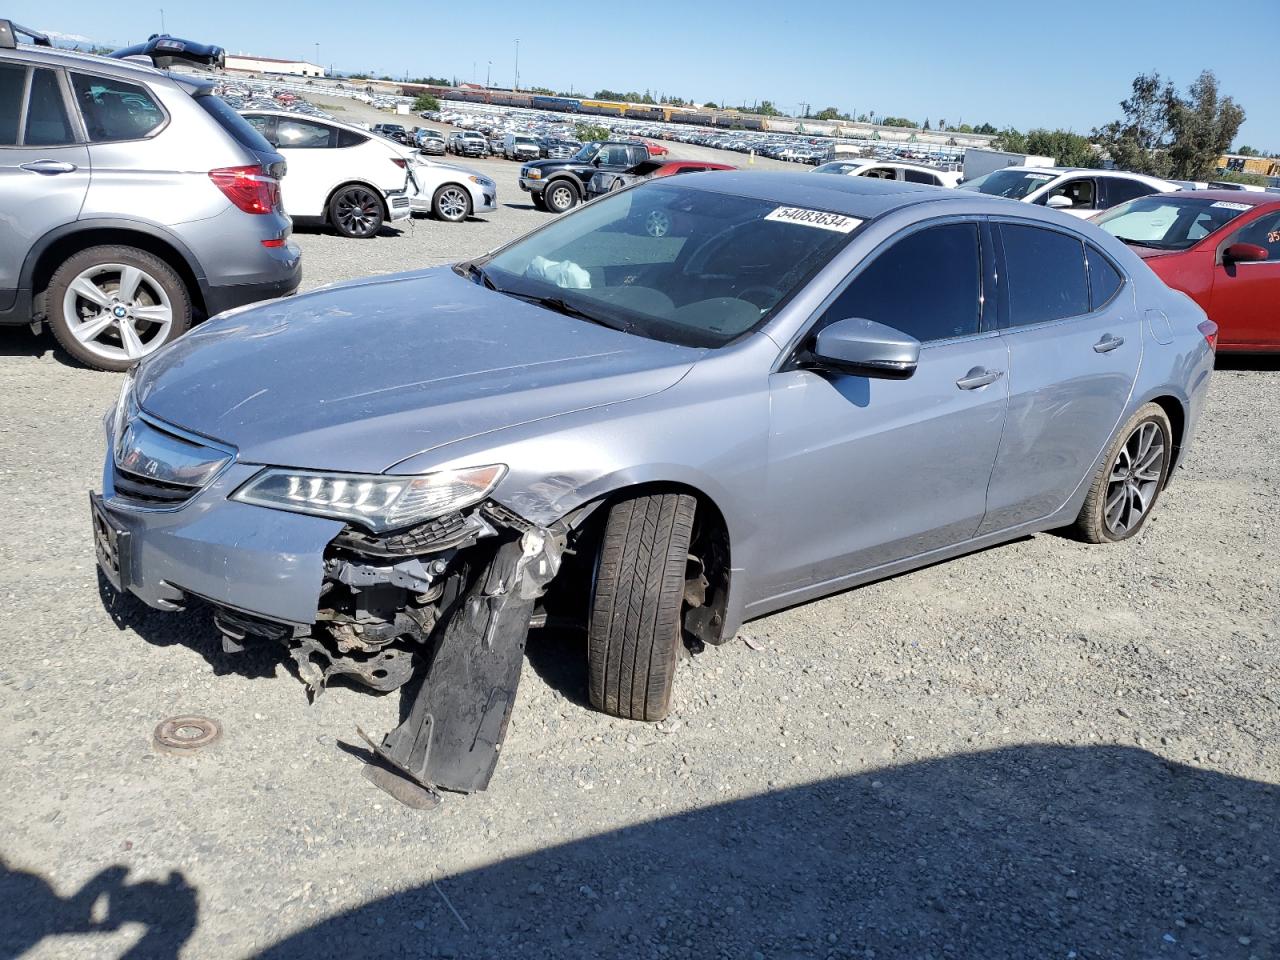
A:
x: 1210, y: 331
x: 248, y: 188
x: 400, y: 162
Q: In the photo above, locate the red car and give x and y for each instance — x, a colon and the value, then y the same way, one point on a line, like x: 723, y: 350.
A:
x: 655, y: 149
x: 607, y: 182
x: 1219, y: 247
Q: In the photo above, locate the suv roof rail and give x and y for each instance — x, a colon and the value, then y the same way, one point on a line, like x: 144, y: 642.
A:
x: 9, y: 41
x: 164, y: 51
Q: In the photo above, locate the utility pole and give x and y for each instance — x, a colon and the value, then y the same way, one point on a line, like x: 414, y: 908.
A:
x: 317, y: 45
x: 488, y: 70
x: 162, y: 20
x: 517, y: 83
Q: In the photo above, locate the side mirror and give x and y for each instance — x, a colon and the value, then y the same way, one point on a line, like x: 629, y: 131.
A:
x: 1245, y: 253
x: 1059, y: 202
x: 865, y: 348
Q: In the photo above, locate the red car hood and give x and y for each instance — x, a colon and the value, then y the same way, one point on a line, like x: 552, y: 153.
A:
x: 1151, y: 253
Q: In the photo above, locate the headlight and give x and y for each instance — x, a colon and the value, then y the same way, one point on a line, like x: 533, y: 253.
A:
x: 534, y: 174
x: 375, y: 501
x: 125, y: 407
x: 481, y: 181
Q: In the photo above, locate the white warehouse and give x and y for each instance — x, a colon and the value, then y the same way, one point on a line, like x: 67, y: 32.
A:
x: 247, y: 64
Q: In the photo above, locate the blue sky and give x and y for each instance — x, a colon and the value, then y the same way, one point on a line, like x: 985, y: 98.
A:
x: 1027, y: 64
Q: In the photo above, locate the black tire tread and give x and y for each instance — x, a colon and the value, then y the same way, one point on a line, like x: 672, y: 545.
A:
x: 1091, y: 525
x: 635, y: 625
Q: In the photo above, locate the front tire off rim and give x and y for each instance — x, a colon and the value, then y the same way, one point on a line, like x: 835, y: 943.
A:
x: 359, y: 212
x: 117, y: 311
x: 1134, y: 479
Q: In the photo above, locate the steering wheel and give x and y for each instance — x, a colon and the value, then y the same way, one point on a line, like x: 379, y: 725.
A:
x: 771, y: 294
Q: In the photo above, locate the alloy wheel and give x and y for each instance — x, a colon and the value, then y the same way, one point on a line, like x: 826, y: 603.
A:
x: 1134, y: 479
x: 358, y: 212
x: 452, y: 203
x: 117, y: 311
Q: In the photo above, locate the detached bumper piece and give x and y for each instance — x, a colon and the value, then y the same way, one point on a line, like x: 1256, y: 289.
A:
x: 459, y: 716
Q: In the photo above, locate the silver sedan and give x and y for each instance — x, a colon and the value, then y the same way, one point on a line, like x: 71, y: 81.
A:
x: 797, y: 385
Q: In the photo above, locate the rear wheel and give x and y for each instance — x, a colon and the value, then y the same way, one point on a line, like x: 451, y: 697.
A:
x: 635, y: 627
x: 451, y: 203
x: 355, y: 211
x: 560, y: 196
x: 110, y: 306
x: 1134, y: 471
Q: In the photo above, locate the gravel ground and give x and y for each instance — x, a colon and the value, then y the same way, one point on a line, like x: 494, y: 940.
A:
x: 1044, y: 749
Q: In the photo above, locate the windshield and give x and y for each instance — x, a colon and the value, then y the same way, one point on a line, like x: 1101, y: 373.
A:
x: 1168, y: 223
x: 587, y: 152
x: 1014, y: 184
x: 835, y: 166
x: 671, y: 263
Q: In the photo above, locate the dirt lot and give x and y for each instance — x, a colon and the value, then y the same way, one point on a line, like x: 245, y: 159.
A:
x: 1044, y: 749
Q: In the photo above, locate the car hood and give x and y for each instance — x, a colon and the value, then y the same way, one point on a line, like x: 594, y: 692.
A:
x: 361, y: 376
x: 554, y: 164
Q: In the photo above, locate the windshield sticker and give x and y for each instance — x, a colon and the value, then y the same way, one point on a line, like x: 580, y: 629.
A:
x: 1041, y: 176
x: 1229, y: 205
x: 815, y: 218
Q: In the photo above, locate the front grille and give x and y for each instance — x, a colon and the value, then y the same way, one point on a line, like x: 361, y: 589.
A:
x: 148, y: 490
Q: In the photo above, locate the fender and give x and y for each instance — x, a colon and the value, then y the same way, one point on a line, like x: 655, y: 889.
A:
x: 154, y: 230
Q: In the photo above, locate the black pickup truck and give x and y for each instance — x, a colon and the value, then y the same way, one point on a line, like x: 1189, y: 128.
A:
x: 558, y: 185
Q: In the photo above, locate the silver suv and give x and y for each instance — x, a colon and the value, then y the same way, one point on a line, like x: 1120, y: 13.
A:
x: 135, y: 201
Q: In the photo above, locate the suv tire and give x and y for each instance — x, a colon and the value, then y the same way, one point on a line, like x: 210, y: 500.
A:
x: 105, y: 328
x: 560, y: 196
x: 538, y: 202
x: 355, y: 211
x: 637, y: 596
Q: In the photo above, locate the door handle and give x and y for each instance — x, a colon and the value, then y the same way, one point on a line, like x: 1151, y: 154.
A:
x: 1108, y: 343
x: 49, y: 166
x: 978, y: 377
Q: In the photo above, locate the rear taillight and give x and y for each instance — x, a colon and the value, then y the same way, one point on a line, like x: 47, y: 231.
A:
x: 1210, y: 331
x: 400, y: 162
x: 248, y: 188
x: 274, y: 242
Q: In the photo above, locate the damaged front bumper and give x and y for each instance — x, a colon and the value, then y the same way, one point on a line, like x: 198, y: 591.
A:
x: 450, y: 599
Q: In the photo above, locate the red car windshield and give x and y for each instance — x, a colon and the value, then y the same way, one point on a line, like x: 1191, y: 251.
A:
x: 1169, y: 222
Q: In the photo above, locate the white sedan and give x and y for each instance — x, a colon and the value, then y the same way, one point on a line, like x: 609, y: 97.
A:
x: 1078, y: 191
x: 891, y: 170
x: 338, y: 174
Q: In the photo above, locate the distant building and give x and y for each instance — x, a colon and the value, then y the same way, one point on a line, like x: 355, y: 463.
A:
x: 247, y: 64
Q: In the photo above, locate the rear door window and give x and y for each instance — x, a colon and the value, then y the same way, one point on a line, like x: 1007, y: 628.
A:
x: 48, y: 124
x: 1044, y: 275
x: 302, y: 134
x: 114, y: 110
x: 920, y: 176
x: 349, y: 138
x: 1122, y: 190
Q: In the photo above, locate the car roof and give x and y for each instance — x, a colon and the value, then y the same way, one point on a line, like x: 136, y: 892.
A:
x: 861, y: 197
x: 1062, y: 171
x: 1232, y: 196
x: 96, y: 63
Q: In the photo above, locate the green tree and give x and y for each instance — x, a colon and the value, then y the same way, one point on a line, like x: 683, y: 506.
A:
x: 897, y: 122
x: 1247, y: 151
x: 710, y: 105
x: 767, y: 109
x: 590, y: 131
x: 828, y: 113
x: 1067, y: 149
x: 425, y: 101
x: 1140, y: 140
x: 986, y: 128
x: 1203, y: 125
x: 926, y: 124
x: 1012, y: 140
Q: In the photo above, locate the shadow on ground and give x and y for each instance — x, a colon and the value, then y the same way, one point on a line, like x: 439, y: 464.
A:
x: 32, y: 911
x: 1103, y: 852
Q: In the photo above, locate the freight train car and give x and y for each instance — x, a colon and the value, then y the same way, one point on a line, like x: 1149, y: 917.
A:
x: 559, y: 104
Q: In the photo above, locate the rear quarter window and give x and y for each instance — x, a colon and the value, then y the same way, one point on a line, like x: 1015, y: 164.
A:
x: 1045, y: 276
x: 230, y: 121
